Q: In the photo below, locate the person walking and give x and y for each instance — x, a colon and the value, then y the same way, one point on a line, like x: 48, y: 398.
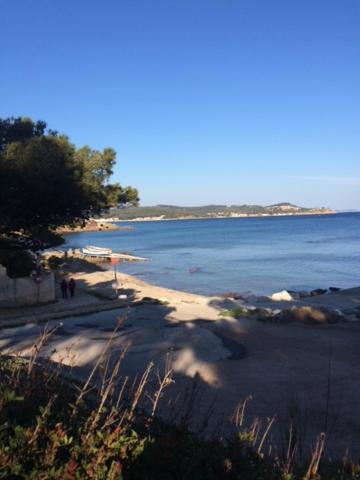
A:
x: 72, y: 286
x: 64, y: 288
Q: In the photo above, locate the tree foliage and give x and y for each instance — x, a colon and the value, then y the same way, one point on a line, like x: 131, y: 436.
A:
x: 20, y: 129
x: 46, y: 183
x: 121, y: 195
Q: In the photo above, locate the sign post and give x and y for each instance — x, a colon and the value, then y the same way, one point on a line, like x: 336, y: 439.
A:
x: 115, y: 261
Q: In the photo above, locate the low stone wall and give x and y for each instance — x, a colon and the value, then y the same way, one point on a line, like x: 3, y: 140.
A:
x: 25, y: 290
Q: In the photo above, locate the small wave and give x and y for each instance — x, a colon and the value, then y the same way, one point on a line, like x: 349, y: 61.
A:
x: 194, y: 270
x: 324, y: 240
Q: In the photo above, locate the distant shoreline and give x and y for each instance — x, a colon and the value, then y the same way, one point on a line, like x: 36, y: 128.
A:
x: 162, y: 218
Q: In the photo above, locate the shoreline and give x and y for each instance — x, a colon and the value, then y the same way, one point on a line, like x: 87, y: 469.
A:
x: 207, y: 306
x: 213, y: 217
x: 142, y: 289
x: 255, y: 288
x: 93, y: 226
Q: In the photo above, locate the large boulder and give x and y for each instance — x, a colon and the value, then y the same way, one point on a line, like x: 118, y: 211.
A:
x: 304, y: 294
x: 283, y: 296
x: 310, y: 315
x: 318, y: 291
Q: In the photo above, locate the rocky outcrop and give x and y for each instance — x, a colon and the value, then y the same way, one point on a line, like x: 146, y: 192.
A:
x: 92, y: 226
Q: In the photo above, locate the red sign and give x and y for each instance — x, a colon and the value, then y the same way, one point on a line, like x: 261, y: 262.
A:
x: 114, y: 260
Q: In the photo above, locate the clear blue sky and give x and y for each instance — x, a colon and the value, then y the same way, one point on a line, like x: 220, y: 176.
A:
x: 205, y: 101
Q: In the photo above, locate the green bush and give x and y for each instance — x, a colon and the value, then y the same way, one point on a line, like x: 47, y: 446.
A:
x: 54, y: 262
x: 18, y: 263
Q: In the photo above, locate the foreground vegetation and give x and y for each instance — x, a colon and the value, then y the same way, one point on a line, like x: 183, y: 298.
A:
x: 51, y: 427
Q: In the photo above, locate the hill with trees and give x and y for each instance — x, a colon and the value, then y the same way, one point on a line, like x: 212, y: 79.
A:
x: 211, y: 211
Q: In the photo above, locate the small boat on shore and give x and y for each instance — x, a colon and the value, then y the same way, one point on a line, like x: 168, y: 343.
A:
x: 91, y: 253
x: 92, y: 250
x: 99, y: 252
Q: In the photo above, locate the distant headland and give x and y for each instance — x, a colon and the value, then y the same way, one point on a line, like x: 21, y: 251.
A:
x: 171, y: 212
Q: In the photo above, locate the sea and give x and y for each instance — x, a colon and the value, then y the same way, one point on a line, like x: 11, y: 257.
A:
x: 258, y: 255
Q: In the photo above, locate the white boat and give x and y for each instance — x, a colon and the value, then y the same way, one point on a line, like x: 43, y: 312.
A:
x: 97, y: 250
x: 91, y: 251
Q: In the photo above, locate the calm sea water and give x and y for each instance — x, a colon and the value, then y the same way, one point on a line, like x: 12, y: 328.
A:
x: 258, y: 255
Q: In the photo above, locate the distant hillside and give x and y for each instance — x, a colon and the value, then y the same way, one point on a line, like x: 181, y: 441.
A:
x: 164, y: 212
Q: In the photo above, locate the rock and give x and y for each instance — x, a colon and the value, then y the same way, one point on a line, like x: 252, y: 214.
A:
x: 283, y: 296
x: 311, y: 315
x: 252, y: 299
x: 233, y: 295
x: 295, y: 295
x: 264, y: 314
x: 304, y: 294
x: 317, y: 291
x: 334, y: 289
x: 262, y: 298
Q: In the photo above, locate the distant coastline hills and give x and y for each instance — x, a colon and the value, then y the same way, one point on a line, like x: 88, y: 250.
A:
x: 172, y: 212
